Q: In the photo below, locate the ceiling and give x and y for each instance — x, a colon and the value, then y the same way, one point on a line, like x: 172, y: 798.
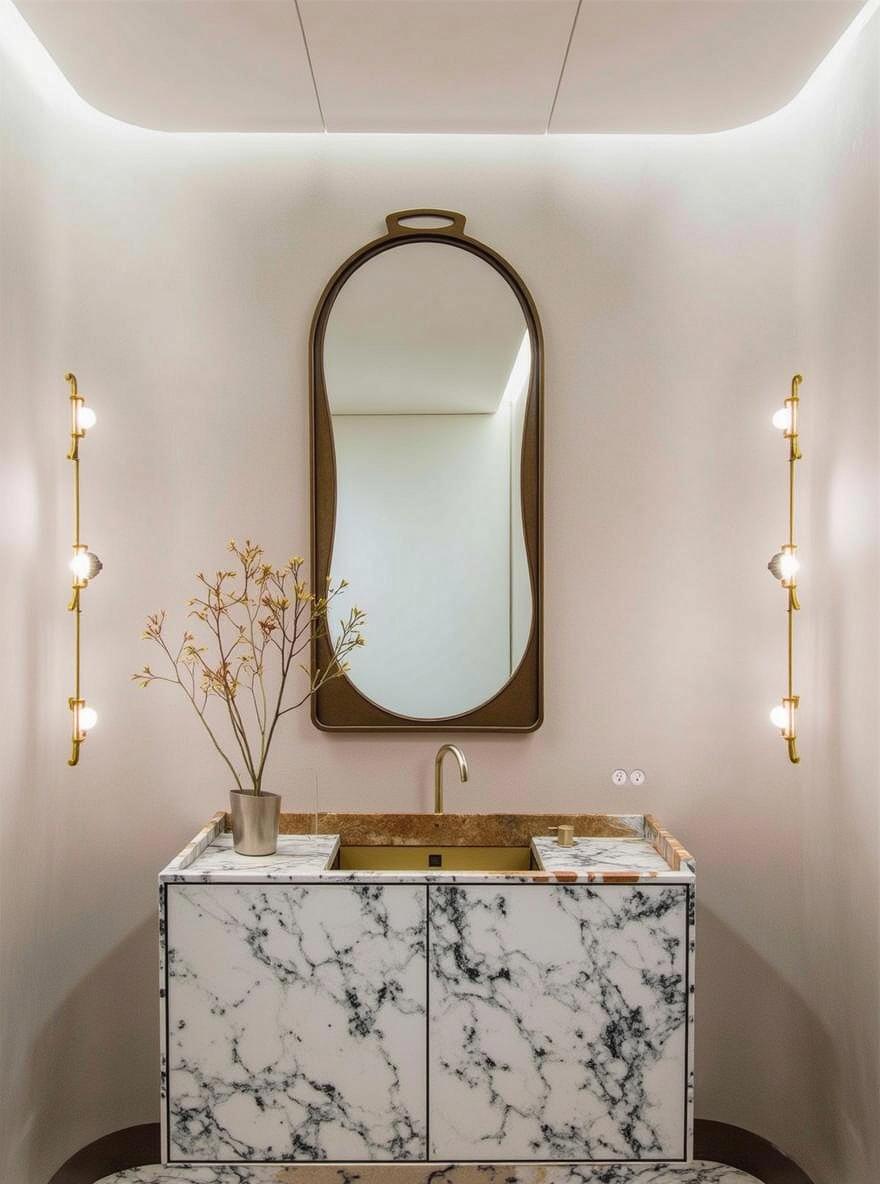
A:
x: 515, y: 66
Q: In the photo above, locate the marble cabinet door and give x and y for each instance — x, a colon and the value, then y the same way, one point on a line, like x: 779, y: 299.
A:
x: 557, y: 1022
x: 296, y: 1022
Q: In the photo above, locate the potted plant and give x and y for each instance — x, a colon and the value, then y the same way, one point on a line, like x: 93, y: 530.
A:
x: 257, y: 622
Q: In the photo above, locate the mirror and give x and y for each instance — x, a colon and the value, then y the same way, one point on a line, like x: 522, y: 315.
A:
x: 426, y: 433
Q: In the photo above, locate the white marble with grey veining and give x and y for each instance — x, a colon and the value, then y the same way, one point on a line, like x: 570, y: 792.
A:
x: 698, y: 1172
x: 599, y: 855
x: 558, y: 1022
x: 302, y: 859
x: 296, y: 1022
x: 280, y: 968
x: 219, y: 863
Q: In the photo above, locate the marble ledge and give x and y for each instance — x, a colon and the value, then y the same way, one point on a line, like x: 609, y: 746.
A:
x: 697, y: 1172
x: 635, y: 851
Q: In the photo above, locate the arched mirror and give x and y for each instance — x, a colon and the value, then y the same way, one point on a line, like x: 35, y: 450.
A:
x: 426, y: 385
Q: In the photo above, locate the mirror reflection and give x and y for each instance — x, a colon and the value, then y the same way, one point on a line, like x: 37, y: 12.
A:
x: 427, y: 366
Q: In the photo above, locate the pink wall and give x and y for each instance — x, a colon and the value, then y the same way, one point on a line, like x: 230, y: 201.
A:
x: 836, y: 273
x: 681, y: 281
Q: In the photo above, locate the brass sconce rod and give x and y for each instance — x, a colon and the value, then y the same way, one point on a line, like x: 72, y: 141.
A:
x: 784, y: 566
x: 85, y: 566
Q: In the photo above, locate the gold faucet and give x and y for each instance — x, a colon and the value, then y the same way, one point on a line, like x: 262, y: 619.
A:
x: 438, y: 772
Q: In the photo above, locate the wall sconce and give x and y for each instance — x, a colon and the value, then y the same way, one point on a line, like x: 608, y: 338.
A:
x: 784, y: 567
x: 84, y: 565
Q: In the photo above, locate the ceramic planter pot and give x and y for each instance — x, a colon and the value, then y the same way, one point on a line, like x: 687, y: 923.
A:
x: 255, y: 821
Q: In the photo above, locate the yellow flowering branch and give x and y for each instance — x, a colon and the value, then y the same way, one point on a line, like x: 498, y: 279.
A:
x: 258, y: 619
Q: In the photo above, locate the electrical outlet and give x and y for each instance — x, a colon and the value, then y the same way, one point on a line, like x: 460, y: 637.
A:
x: 618, y: 777
x: 637, y: 777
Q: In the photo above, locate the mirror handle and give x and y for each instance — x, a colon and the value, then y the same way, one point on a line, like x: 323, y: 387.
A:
x: 454, y: 228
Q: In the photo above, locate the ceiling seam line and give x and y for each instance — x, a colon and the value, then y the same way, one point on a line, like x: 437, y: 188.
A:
x: 577, y: 13
x: 302, y: 30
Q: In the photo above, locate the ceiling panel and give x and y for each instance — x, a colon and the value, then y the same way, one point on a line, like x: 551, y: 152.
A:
x: 691, y: 65
x: 218, y: 65
x: 437, y: 65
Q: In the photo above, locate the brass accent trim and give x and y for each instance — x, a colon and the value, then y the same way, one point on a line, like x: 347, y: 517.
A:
x: 446, y: 858
x: 564, y: 834
x: 339, y: 706
x: 76, y: 702
x: 438, y: 772
x: 791, y: 701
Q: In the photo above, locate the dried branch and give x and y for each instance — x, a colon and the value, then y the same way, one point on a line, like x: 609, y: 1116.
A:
x: 258, y: 620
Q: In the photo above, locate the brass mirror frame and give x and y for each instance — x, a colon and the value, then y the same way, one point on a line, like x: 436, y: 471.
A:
x: 339, y: 706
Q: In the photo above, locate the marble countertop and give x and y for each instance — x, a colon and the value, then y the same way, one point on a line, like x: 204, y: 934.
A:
x: 599, y: 855
x: 647, y: 853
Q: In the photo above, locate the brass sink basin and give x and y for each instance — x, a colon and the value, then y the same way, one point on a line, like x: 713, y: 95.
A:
x: 439, y: 858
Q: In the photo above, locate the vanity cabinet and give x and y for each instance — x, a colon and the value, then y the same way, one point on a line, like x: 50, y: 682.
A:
x: 313, y: 1014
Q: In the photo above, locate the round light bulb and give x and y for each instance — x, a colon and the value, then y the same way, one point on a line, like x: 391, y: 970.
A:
x: 85, y: 418
x: 88, y: 717
x: 789, y: 565
x: 782, y: 419
x: 85, y: 565
x: 79, y: 565
x: 784, y: 565
x: 779, y: 717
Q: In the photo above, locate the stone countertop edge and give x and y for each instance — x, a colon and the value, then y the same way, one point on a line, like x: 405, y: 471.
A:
x: 593, y: 859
